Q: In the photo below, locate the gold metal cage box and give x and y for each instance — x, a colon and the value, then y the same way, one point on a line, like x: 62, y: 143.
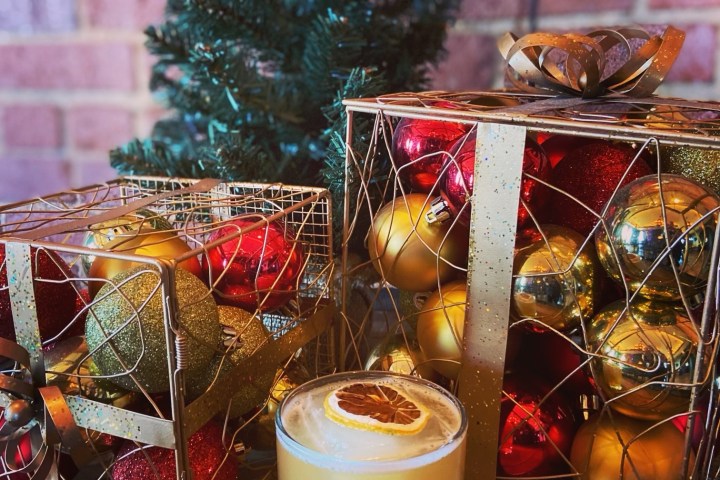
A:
x: 164, y: 224
x: 504, y: 123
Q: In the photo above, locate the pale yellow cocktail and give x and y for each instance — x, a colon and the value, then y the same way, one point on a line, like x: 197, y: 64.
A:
x: 370, y: 426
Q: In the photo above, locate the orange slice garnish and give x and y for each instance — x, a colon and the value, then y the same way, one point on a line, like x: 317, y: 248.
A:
x: 377, y: 408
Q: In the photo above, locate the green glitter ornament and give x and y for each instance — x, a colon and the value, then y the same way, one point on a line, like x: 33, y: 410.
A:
x: 698, y: 164
x: 243, y: 334
x: 126, y: 326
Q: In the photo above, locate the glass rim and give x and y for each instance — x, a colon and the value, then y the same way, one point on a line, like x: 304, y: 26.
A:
x: 384, y: 464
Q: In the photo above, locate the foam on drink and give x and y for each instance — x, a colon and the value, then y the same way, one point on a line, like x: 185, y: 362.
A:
x: 303, y: 418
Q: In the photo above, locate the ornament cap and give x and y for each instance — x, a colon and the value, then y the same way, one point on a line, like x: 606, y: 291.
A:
x: 439, y: 211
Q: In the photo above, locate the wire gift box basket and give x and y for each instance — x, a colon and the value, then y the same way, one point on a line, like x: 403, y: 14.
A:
x: 150, y: 324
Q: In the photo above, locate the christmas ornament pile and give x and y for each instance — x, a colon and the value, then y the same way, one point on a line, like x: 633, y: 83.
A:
x: 611, y: 261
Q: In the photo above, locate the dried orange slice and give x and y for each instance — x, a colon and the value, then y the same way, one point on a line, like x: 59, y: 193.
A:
x: 378, y: 408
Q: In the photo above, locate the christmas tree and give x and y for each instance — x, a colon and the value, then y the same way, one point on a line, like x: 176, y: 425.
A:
x: 256, y: 85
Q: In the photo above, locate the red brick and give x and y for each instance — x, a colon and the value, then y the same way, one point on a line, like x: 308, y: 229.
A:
x: 15, y: 16
x: 98, y: 127
x: 94, y: 171
x: 126, y: 14
x: 32, y: 126
x: 490, y: 9
x: 696, y: 62
x: 470, y: 65
x: 27, y: 177
x: 54, y: 15
x: 683, y: 3
x: 67, y: 66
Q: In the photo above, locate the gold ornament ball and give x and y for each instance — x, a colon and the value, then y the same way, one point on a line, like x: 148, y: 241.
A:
x: 243, y: 334
x: 153, y: 244
x: 411, y: 253
x: 69, y: 367
x: 639, y: 230
x: 400, y: 353
x: 649, y: 342
x: 701, y: 165
x: 102, y: 233
x: 640, y: 453
x: 554, y: 278
x: 440, y: 327
x: 126, y: 325
x: 286, y: 380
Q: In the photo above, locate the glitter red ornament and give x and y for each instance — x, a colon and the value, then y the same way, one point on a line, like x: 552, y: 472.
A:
x: 535, y: 432
x: 419, y: 149
x: 207, y: 458
x: 257, y: 270
x: 55, y: 295
x: 556, y: 147
x: 460, y: 177
x: 591, y: 173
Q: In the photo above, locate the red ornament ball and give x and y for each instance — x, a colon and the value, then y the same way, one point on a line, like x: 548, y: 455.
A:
x: 205, y: 449
x: 591, y: 173
x: 256, y: 270
x: 55, y: 297
x: 419, y: 149
x: 461, y: 177
x: 558, y: 146
x: 533, y: 432
x: 23, y: 456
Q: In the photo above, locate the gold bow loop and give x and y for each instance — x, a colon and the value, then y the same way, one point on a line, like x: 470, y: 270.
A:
x: 575, y: 64
x: 38, y: 412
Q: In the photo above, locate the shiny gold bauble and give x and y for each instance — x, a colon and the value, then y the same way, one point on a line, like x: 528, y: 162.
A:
x: 102, y: 233
x: 400, y: 353
x: 554, y: 278
x: 411, y: 253
x: 69, y: 367
x: 127, y: 322
x: 440, y: 327
x: 639, y: 230
x: 243, y: 334
x: 286, y: 380
x: 640, y: 453
x: 644, y: 353
x: 701, y: 165
x: 151, y: 244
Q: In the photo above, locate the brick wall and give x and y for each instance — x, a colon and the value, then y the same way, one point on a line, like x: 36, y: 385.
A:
x: 73, y: 73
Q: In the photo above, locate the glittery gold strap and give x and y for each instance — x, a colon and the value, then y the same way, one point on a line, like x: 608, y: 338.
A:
x: 574, y: 64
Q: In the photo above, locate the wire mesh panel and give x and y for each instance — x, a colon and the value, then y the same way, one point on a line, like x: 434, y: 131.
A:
x: 150, y: 325
x: 551, y: 260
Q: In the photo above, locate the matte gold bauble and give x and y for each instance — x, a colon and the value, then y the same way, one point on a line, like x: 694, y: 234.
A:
x: 102, y: 233
x: 69, y: 367
x: 641, y: 225
x: 440, y: 327
x: 154, y: 244
x: 400, y: 353
x: 411, y: 253
x: 647, y: 354
x: 125, y: 329
x: 243, y: 334
x: 554, y: 278
x: 640, y: 452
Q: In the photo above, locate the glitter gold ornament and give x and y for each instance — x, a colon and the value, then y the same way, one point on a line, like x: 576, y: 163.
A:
x: 400, y: 353
x: 611, y: 447
x: 641, y: 225
x: 127, y: 322
x: 150, y: 244
x: 700, y: 165
x: 411, y: 253
x: 554, y: 278
x: 243, y: 334
x: 440, y: 327
x: 102, y: 233
x: 647, y: 354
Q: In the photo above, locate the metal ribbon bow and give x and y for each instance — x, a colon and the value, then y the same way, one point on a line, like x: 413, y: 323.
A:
x: 41, y: 413
x: 574, y: 64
